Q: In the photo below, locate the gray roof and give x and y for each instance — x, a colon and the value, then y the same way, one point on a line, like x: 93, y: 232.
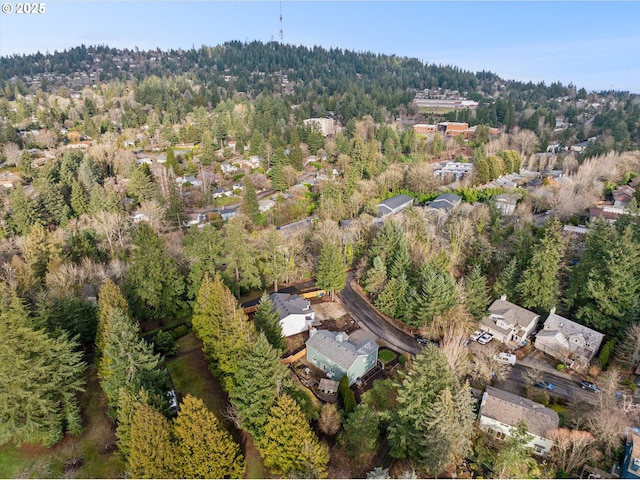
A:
x: 446, y: 201
x: 286, y: 304
x: 512, y: 313
x: 390, y: 204
x: 562, y: 329
x: 343, y: 353
x: 510, y: 409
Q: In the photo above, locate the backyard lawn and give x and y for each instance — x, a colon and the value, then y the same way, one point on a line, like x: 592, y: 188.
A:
x: 190, y: 374
x: 386, y: 356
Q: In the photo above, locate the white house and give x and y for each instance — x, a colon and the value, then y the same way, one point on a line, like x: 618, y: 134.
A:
x: 502, y: 411
x: 568, y: 341
x: 295, y: 313
x: 509, y: 322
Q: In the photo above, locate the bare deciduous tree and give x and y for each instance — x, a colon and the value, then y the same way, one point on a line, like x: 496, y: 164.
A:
x: 524, y: 141
x: 419, y: 178
x: 608, y: 427
x: 453, y: 346
x: 329, y: 420
x: 572, y: 449
x: 487, y: 368
x: 12, y: 153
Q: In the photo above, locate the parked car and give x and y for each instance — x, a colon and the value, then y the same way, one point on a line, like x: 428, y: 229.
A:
x: 173, y: 402
x: 475, y: 335
x: 544, y: 384
x: 426, y: 341
x: 503, y: 357
x: 589, y: 386
x: 485, y: 338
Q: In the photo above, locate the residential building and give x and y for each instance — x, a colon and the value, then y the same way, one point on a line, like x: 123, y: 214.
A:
x: 424, y: 128
x: 446, y: 203
x: 506, y: 203
x: 509, y: 322
x: 568, y: 341
x: 295, y: 313
x: 631, y: 462
x: 394, y: 205
x: 459, y: 169
x: 333, y: 353
x: 501, y: 412
x: 452, y: 128
x: 622, y: 196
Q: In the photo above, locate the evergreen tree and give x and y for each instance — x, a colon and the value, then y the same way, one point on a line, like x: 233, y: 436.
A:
x: 67, y: 314
x: 276, y: 173
x: 476, y: 293
x: 539, y: 286
x: 514, y: 458
x: 330, y: 271
x: 40, y: 248
x: 25, y: 212
x: 141, y: 187
x: 128, y: 403
x: 109, y: 299
x: 151, y: 454
x: 40, y: 377
x: 171, y: 163
x: 127, y: 361
x: 376, y: 277
x: 399, y: 257
x: 361, y: 432
x: 507, y: 281
x: 174, y: 213
x: 288, y: 446
x: 267, y: 321
x: 276, y: 264
x: 437, y: 295
x: 154, y: 285
x: 223, y: 328
x: 79, y: 199
x: 204, y: 448
x: 249, y: 205
x: 204, y: 248
x: 260, y: 377
x: 433, y: 424
x: 240, y: 256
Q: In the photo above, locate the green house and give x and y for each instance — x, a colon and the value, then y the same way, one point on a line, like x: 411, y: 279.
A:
x: 333, y: 353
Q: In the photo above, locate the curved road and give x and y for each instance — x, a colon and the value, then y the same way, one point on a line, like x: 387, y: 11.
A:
x: 361, y: 310
x: 367, y: 316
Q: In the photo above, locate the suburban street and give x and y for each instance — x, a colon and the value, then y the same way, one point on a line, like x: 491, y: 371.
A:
x: 566, y: 386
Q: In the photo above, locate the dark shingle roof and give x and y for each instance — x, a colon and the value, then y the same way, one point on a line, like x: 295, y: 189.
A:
x: 510, y: 409
x: 286, y: 304
x: 343, y: 353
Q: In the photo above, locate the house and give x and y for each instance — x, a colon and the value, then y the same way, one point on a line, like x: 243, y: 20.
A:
x: 394, y: 205
x: 568, y: 341
x: 326, y: 126
x: 607, y: 211
x: 506, y: 203
x: 502, y: 411
x: 295, y: 313
x: 265, y: 205
x: 631, y: 462
x: 446, y: 203
x: 579, y: 147
x: 227, y: 213
x: 190, y: 179
x: 509, y: 322
x: 622, y: 196
x: 333, y: 353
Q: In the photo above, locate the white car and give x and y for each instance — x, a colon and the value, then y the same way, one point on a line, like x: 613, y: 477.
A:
x: 475, y: 335
x: 485, y: 338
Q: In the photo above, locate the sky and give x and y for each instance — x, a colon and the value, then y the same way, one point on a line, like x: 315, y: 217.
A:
x: 591, y: 44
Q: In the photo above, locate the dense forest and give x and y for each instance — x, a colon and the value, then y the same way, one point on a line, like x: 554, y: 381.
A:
x: 147, y: 195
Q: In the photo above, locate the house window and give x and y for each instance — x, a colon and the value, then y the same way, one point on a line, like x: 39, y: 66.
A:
x: 538, y: 449
x: 499, y: 435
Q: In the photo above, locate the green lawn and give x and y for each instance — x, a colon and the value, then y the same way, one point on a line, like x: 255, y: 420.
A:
x: 190, y: 374
x: 386, y: 356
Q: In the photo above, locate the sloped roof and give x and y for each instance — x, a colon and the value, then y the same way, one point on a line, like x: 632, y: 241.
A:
x: 446, y: 201
x: 390, y: 204
x: 556, y: 325
x: 512, y: 313
x: 343, y: 353
x: 286, y: 304
x: 510, y: 409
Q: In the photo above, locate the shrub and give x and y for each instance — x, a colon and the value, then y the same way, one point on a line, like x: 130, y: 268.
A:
x: 605, y: 353
x: 560, y: 367
x: 164, y: 343
x: 180, y: 331
x: 402, y: 359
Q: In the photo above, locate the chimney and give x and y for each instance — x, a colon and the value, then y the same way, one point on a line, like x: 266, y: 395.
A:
x: 552, y: 311
x: 312, y: 332
x: 503, y: 297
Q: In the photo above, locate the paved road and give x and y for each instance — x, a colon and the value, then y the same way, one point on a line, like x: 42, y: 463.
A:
x: 567, y: 389
x: 368, y: 317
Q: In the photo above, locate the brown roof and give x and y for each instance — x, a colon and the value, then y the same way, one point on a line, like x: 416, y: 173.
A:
x: 510, y: 409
